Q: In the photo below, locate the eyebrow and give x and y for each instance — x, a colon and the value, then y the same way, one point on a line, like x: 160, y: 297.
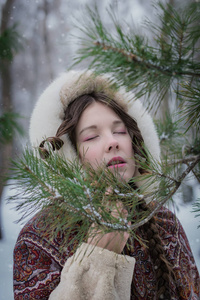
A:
x: 116, y: 122
x: 86, y: 128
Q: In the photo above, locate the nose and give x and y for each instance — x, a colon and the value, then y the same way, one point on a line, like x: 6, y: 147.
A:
x: 112, y: 145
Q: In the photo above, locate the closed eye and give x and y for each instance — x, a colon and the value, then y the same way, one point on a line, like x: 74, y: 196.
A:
x: 120, y: 132
x: 90, y: 138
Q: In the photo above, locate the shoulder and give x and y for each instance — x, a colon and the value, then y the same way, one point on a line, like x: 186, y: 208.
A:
x: 36, y: 234
x: 170, y: 230
x: 168, y: 222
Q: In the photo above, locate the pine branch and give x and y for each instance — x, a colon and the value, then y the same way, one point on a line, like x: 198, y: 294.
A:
x: 140, y: 61
x: 149, y: 69
x: 65, y: 187
x: 184, y: 160
x: 61, y: 187
x: 10, y: 43
x: 177, y: 183
x: 190, y: 104
x: 9, y: 127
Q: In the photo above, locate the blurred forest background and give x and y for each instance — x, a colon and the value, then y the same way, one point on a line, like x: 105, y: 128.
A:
x: 38, y: 41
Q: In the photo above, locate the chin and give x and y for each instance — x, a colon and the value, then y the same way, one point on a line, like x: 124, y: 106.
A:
x: 123, y: 177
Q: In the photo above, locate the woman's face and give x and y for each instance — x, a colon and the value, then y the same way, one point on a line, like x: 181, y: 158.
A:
x: 103, y: 141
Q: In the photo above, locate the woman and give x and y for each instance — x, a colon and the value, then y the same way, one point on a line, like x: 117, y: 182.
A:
x: 84, y: 114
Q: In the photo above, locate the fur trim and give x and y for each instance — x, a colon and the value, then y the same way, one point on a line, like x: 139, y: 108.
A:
x: 49, y: 110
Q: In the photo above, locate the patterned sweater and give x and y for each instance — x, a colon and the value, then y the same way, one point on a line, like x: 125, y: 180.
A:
x: 38, y: 262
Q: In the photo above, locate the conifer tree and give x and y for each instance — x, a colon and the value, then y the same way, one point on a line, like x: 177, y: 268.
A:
x: 170, y: 65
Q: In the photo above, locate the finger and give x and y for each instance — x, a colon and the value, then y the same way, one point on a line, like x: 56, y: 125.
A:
x: 109, y: 191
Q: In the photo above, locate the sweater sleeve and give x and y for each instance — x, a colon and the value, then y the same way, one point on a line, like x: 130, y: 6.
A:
x: 94, y: 273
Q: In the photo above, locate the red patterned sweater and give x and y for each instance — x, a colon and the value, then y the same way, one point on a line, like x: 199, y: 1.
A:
x: 38, y: 262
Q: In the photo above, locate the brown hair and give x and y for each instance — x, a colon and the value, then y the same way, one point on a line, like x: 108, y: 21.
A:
x: 149, y: 231
x: 163, y: 269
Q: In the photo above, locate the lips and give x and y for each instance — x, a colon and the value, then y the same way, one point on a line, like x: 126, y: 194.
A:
x: 116, y: 161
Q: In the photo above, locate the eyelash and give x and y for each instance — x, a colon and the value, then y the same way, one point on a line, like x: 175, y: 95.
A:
x: 117, y: 132
x: 89, y: 139
x: 120, y: 132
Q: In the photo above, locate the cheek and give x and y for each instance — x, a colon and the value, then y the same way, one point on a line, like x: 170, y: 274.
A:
x: 131, y: 155
x: 129, y: 147
x: 89, y: 155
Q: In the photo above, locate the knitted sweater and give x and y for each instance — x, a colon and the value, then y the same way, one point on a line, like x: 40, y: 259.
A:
x: 39, y: 267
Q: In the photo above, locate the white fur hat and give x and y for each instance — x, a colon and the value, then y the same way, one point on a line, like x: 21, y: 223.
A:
x: 48, y: 113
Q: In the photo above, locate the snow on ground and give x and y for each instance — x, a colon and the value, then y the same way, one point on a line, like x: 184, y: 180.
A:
x: 11, y: 230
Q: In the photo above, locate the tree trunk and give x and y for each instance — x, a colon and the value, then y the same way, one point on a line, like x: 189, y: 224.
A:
x: 47, y: 45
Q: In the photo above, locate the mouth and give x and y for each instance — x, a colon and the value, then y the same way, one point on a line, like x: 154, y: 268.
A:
x: 116, y: 162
